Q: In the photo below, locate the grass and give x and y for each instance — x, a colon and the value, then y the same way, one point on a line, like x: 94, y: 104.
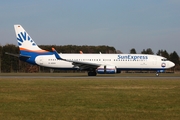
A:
x: 86, y: 98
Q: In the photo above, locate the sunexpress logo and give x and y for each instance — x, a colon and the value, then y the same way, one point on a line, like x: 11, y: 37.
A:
x: 133, y: 57
x: 23, y: 37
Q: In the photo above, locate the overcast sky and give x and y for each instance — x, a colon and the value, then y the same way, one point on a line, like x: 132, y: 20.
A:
x: 123, y: 24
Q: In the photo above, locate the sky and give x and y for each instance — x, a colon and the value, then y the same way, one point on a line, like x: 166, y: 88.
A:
x: 123, y: 24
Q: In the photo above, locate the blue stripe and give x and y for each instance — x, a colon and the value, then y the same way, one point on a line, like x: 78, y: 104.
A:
x: 20, y: 38
x: 23, y: 35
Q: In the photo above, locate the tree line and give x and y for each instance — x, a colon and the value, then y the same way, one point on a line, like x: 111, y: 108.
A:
x: 13, y: 64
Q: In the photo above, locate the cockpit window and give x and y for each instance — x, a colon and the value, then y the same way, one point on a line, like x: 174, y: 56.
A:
x: 164, y: 59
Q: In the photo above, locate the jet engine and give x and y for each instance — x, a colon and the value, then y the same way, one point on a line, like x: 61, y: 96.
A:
x: 160, y: 71
x: 106, y: 70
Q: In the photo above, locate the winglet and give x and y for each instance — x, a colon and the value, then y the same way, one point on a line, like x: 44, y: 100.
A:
x: 81, y: 52
x: 56, y: 54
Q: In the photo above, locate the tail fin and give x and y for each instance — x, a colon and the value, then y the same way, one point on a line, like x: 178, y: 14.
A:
x: 25, y: 42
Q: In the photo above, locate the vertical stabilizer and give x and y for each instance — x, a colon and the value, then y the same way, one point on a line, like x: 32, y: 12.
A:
x: 25, y: 42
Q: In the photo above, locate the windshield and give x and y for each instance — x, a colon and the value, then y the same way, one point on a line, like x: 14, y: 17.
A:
x: 164, y: 59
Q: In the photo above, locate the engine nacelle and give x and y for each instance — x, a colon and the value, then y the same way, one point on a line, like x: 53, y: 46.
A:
x: 160, y: 71
x: 106, y: 70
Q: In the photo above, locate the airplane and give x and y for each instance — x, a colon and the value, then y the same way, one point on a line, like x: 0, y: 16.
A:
x: 92, y: 63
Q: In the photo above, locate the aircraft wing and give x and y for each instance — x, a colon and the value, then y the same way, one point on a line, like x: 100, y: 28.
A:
x: 84, y: 65
x: 80, y: 64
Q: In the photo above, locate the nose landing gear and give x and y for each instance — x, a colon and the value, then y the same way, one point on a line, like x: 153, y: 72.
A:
x: 157, y: 74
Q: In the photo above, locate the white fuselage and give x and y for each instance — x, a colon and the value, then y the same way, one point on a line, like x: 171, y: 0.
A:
x: 120, y: 61
x: 93, y: 63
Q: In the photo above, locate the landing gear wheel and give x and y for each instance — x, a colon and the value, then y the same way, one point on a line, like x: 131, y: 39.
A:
x: 157, y: 74
x: 92, y: 73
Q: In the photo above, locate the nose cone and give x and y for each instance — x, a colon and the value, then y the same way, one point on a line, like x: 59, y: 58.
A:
x: 171, y: 64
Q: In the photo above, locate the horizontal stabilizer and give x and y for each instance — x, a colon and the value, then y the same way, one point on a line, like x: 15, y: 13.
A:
x: 15, y: 55
x: 18, y: 55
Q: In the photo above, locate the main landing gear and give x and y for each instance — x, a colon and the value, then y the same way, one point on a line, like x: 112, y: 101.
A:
x: 92, y: 73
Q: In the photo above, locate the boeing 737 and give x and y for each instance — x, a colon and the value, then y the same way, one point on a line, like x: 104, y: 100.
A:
x: 92, y: 63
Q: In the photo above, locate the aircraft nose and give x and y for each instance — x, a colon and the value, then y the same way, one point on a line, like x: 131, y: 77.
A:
x: 171, y: 64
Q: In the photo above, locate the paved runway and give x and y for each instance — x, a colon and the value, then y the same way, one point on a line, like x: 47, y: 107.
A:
x: 94, y: 77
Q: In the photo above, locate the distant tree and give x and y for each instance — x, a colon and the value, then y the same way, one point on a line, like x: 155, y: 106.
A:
x: 133, y: 51
x: 163, y: 53
x: 174, y: 58
x: 147, y: 51
x: 0, y: 56
x: 10, y: 63
x: 159, y: 52
x: 143, y: 52
x: 118, y: 52
x: 0, y: 49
